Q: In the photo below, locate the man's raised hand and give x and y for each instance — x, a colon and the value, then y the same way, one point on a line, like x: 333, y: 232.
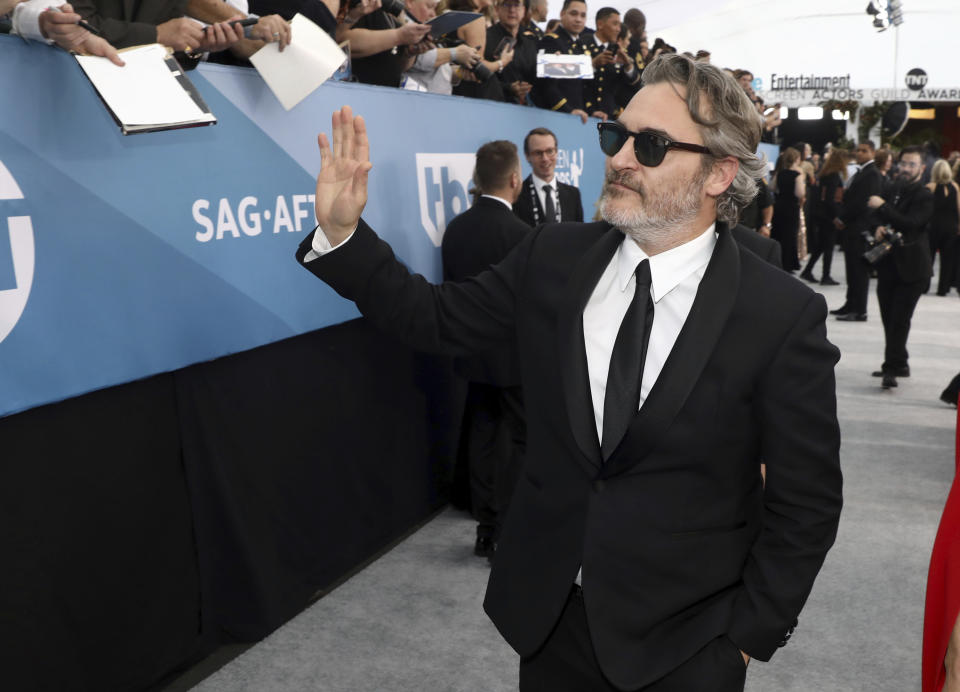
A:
x: 342, y: 182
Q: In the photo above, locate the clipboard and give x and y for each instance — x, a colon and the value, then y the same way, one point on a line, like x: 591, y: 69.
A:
x: 150, y: 93
x: 450, y: 21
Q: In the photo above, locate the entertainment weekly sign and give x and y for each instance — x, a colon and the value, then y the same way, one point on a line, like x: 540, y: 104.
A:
x: 804, y: 89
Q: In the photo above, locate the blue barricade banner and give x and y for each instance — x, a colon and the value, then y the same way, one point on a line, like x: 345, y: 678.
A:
x: 122, y: 257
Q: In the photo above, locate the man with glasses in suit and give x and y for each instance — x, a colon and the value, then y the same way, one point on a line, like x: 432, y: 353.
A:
x: 661, y: 364
x: 544, y: 199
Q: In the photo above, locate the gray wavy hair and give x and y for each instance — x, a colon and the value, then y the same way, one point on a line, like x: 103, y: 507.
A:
x: 729, y: 123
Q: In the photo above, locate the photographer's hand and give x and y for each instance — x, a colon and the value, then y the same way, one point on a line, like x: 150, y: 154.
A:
x: 879, y: 234
x: 342, y: 182
x: 411, y: 33
x: 465, y: 55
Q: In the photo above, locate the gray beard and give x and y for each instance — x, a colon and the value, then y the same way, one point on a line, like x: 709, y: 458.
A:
x: 652, y: 223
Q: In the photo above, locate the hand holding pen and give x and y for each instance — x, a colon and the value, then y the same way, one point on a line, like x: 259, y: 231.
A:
x: 69, y: 31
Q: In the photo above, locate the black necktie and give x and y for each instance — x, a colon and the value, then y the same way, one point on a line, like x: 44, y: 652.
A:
x: 550, y: 214
x: 622, y: 398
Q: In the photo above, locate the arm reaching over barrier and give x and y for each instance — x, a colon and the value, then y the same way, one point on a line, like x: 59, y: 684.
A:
x: 342, y: 182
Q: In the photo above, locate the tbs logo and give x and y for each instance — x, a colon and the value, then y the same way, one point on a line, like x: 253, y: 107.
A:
x: 443, y: 182
x: 16, y: 256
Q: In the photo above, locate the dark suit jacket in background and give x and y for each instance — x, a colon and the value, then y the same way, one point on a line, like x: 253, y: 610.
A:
x: 124, y: 26
x: 528, y: 207
x: 473, y: 242
x: 909, y: 213
x: 854, y: 212
x: 678, y: 538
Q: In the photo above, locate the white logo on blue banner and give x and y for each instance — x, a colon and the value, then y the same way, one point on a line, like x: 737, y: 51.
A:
x: 569, y: 166
x: 17, y: 277
x: 443, y: 182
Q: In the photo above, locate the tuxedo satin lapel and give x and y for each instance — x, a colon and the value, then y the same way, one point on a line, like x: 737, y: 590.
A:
x: 695, y: 343
x: 573, y: 354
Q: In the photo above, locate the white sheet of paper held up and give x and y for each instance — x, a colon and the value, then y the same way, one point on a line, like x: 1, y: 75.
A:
x: 310, y: 59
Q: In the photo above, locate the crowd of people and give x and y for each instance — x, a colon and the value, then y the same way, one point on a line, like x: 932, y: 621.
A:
x: 389, y: 43
x: 896, y: 214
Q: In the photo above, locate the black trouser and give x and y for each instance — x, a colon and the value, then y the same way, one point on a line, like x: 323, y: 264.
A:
x: 858, y: 276
x: 567, y: 663
x: 495, y: 435
x: 946, y: 242
x: 826, y: 238
x: 897, y: 299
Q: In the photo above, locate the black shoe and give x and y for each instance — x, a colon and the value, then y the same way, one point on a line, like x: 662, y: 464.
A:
x: 808, y: 276
x: 896, y: 372
x: 946, y: 398
x: 828, y: 281
x: 485, y: 546
x: 888, y: 381
x: 852, y: 317
x: 840, y: 311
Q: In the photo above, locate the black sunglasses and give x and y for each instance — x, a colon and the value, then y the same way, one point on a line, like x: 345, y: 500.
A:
x: 650, y: 148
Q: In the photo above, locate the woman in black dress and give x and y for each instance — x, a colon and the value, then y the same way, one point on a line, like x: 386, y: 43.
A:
x: 825, y: 208
x: 789, y: 189
x: 945, y: 225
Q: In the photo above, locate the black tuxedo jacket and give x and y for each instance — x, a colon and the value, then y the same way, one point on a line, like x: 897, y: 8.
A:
x: 474, y: 241
x: 854, y: 213
x: 678, y: 539
x: 530, y: 211
x: 909, y: 213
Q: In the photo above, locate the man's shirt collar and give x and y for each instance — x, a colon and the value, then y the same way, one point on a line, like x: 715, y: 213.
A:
x: 667, y: 269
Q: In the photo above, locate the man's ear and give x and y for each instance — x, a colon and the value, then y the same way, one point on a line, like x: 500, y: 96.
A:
x: 721, y: 176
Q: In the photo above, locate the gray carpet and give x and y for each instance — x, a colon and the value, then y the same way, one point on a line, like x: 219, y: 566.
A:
x: 412, y: 621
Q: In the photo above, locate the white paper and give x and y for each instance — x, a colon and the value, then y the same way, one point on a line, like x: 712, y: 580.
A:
x: 561, y: 66
x: 310, y: 59
x: 144, y: 91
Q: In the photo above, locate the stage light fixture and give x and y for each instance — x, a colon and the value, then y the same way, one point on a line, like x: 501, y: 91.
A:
x: 895, y: 12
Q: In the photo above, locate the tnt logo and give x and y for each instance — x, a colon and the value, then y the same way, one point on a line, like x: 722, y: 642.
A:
x: 443, y: 181
x: 916, y: 79
x: 569, y: 166
x: 16, y: 257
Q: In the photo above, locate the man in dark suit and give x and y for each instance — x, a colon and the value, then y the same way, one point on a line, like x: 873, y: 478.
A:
x: 904, y: 273
x: 855, y: 218
x: 543, y: 198
x: 493, y: 433
x: 661, y: 363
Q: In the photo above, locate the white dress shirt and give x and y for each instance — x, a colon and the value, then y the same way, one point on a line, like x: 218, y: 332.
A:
x: 674, y: 279
x: 555, y: 191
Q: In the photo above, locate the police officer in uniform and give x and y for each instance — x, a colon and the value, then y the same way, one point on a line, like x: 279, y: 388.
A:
x: 613, y: 69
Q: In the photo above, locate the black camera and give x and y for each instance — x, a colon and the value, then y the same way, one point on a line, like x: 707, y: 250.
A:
x: 878, y: 249
x: 480, y: 71
x: 394, y: 7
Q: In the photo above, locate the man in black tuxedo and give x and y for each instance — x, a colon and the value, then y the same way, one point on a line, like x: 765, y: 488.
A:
x: 903, y: 274
x: 855, y: 218
x: 545, y: 199
x: 493, y: 433
x: 660, y: 364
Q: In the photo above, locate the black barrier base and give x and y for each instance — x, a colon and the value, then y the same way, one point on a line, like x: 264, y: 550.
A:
x: 144, y: 524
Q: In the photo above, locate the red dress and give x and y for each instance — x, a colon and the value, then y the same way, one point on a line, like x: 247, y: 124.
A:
x: 943, y: 587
